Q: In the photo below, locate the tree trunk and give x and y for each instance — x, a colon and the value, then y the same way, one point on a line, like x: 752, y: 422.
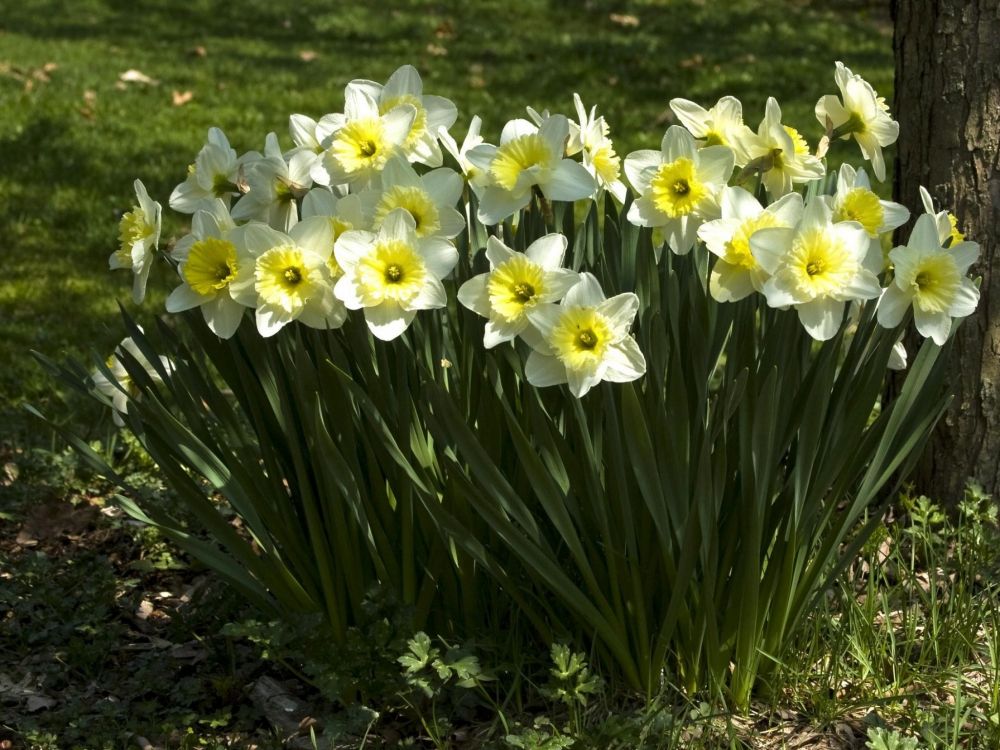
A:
x: 947, y: 101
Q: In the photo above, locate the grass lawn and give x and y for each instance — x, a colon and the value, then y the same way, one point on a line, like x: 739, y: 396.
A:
x: 105, y: 636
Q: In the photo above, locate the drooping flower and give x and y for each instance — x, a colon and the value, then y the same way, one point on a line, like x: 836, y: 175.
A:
x: 432, y: 113
x: 292, y: 277
x: 393, y: 273
x: 217, y: 172
x: 515, y: 285
x: 138, y: 238
x: 528, y: 156
x: 364, y: 140
x: 722, y: 125
x: 210, y: 264
x: 861, y: 113
x: 780, y: 154
x: 477, y: 178
x: 678, y: 186
x: 946, y: 222
x: 736, y: 273
x: 275, y: 185
x: 590, y: 136
x: 855, y: 201
x: 585, y: 339
x: 932, y: 279
x: 430, y: 199
x: 816, y: 267
x: 120, y: 387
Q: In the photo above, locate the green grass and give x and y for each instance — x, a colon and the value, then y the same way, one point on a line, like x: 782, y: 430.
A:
x: 72, y: 140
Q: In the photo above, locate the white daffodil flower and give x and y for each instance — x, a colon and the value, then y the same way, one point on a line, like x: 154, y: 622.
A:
x: 932, y: 279
x: 477, y: 178
x: 515, y: 285
x: 590, y: 136
x: 430, y: 199
x: 861, y: 113
x: 816, y: 267
x: 393, y: 273
x: 364, y: 140
x: 736, y: 273
x: 210, y: 264
x: 292, y: 276
x: 585, y: 340
x: 119, y: 387
x: 432, y: 112
x: 678, y: 186
x: 275, y: 185
x: 217, y: 172
x: 947, y: 224
x: 855, y: 201
x: 779, y: 153
x: 898, y: 356
x: 528, y: 156
x: 138, y: 238
x: 722, y: 125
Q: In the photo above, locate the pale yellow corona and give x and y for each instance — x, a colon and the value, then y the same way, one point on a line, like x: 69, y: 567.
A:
x: 581, y: 338
x: 393, y: 271
x: 285, y: 279
x: 738, y: 248
x: 821, y: 265
x: 607, y: 164
x: 210, y: 266
x: 863, y: 206
x: 514, y: 288
x: 416, y: 201
x: 801, y: 147
x: 134, y: 227
x: 360, y: 145
x: 520, y: 154
x: 935, y: 281
x: 676, y: 190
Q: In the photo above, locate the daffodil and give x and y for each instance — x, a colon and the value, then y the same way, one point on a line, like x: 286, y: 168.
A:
x: 722, y: 125
x: 393, y: 273
x: 816, y: 267
x: 516, y: 284
x: 946, y: 222
x: 364, y: 140
x: 292, y: 277
x: 861, y: 113
x: 217, y: 172
x: 430, y: 198
x: 210, y: 264
x: 585, y: 339
x: 678, y: 186
x: 736, y: 273
x: 478, y: 179
x: 138, y: 238
x: 115, y: 383
x: 779, y: 154
x: 528, y: 156
x: 275, y: 185
x: 590, y: 136
x: 932, y: 280
x: 431, y: 112
x: 855, y: 201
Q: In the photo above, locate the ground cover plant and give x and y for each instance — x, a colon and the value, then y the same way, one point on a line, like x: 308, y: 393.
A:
x: 250, y: 140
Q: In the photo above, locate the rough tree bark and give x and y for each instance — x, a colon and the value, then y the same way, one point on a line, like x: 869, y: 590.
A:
x: 947, y: 101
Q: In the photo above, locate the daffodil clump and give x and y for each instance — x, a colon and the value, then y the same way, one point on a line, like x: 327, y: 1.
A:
x: 525, y: 374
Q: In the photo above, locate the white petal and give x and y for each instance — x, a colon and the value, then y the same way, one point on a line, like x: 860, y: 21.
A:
x: 586, y: 292
x: 405, y: 80
x: 581, y: 381
x: 892, y: 306
x: 499, y: 331
x: 821, y: 318
x: 314, y: 234
x: 966, y: 300
x: 397, y: 123
x: 729, y: 283
x: 716, y: 164
x: 543, y: 370
x: 474, y: 294
x: 965, y: 254
x: 388, y: 320
x: 352, y: 246
x: 925, y: 234
x: 640, y: 167
x: 936, y: 325
x: 678, y: 143
x: 624, y: 361
x: 569, y: 181
x: 496, y: 252
x: 184, y: 298
x: 439, y: 255
x: 430, y: 297
x: 223, y: 315
x: 769, y: 246
x: 271, y: 319
x: 444, y: 186
x: 621, y: 311
x: 737, y: 203
x: 497, y: 204
x: 548, y: 251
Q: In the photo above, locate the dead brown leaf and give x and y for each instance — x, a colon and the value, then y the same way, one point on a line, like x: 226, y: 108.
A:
x: 624, y: 19
x: 198, y: 51
x: 436, y: 50
x: 180, y: 98
x: 308, y: 55
x: 137, y: 76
